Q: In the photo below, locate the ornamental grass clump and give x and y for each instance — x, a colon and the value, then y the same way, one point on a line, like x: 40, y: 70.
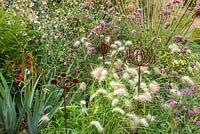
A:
x: 156, y: 19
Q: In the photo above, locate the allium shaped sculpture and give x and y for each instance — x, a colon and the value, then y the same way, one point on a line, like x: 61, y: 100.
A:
x: 103, y: 49
x: 139, y: 56
x: 64, y: 82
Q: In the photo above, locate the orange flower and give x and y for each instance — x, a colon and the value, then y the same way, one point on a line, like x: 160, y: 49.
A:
x: 19, y: 66
x: 14, y: 60
x: 20, y: 76
x: 27, y: 66
x: 8, y: 64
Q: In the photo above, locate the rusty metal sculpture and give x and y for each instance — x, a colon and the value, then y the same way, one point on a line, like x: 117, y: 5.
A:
x: 139, y: 56
x: 103, y: 49
x: 64, y: 82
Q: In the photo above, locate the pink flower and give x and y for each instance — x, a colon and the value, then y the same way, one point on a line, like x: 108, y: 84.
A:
x: 166, y: 25
x: 103, y: 24
x: 197, y: 10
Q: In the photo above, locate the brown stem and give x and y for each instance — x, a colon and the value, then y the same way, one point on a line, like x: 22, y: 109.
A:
x: 65, y: 109
x: 138, y: 88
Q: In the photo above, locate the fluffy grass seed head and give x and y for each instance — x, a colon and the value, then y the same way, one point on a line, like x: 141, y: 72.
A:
x: 126, y: 76
x: 144, y: 122
x: 174, y: 48
x: 132, y: 71
x: 119, y: 110
x: 118, y: 43
x: 175, y: 92
x: 98, y: 126
x: 115, y: 102
x: 150, y: 118
x: 153, y: 87
x: 82, y: 86
x: 143, y: 97
x: 45, y: 118
x: 121, y: 92
x: 99, y: 73
x: 188, y: 80
x: 99, y: 91
x: 116, y: 85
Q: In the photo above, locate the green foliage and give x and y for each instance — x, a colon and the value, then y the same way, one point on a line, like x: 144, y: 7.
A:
x: 13, y: 34
x: 195, y: 33
x: 32, y: 104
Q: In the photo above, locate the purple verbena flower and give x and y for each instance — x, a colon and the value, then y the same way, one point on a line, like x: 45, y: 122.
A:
x: 197, y: 10
x: 183, y: 50
x: 165, y: 13
x: 166, y: 25
x: 166, y: 84
x: 184, y: 107
x: 103, y: 24
x: 168, y: 4
x: 192, y: 64
x: 175, y: 74
x: 190, y: 112
x: 178, y: 39
x: 176, y: 111
x: 194, y: 87
x: 166, y: 69
x: 176, y: 1
x: 196, y: 109
x: 198, y: 123
x: 89, y: 50
x: 173, y: 102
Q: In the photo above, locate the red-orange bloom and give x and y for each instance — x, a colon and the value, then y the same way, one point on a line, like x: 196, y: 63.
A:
x: 19, y: 66
x: 8, y: 64
x: 27, y: 66
x: 14, y: 60
x: 20, y: 76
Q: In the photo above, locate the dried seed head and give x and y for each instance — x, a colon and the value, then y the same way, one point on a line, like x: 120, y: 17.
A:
x: 63, y: 74
x: 55, y: 76
x: 54, y: 81
x: 59, y: 77
x: 70, y: 78
x: 75, y: 81
x: 103, y: 49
